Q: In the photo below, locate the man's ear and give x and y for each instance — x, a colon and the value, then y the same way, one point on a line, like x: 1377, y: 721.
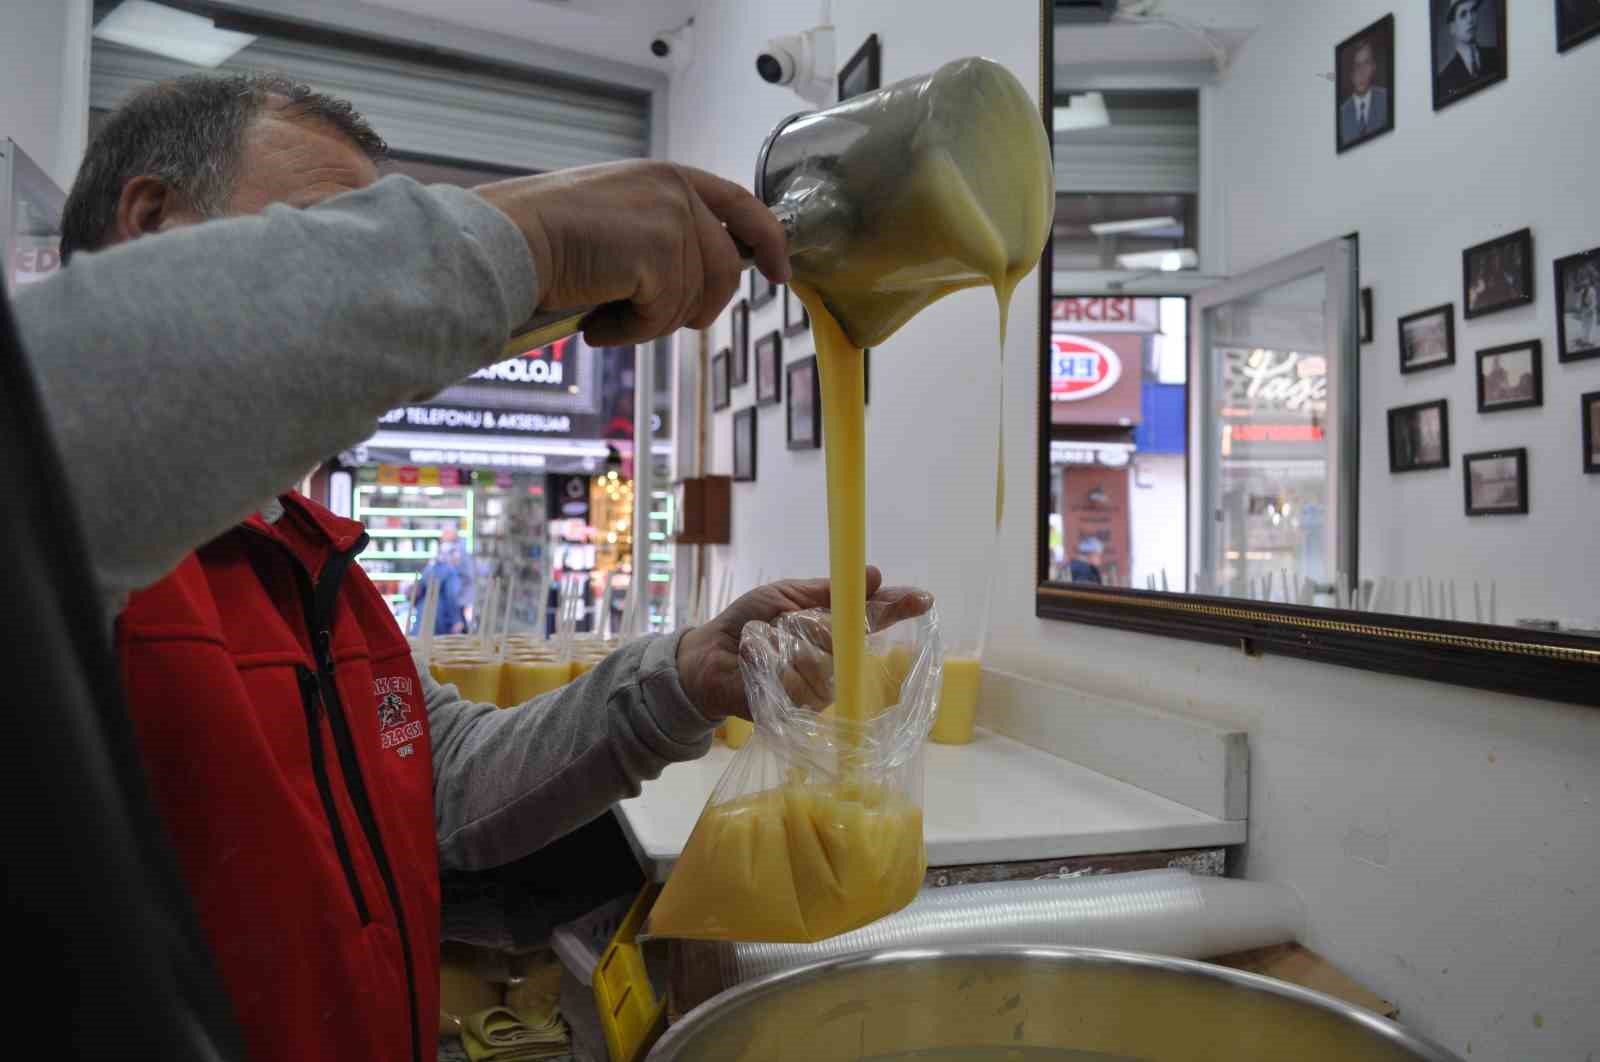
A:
x: 147, y: 205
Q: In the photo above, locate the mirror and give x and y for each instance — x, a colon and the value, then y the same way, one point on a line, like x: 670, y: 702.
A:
x: 1320, y: 357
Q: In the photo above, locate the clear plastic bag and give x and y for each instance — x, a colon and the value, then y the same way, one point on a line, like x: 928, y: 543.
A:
x: 815, y: 828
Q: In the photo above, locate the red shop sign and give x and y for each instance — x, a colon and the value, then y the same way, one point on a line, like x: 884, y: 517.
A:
x: 1081, y: 368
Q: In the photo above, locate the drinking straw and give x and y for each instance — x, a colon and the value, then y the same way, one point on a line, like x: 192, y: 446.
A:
x: 505, y: 628
x: 430, y: 611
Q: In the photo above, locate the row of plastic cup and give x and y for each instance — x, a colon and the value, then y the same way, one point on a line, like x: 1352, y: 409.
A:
x: 526, y: 669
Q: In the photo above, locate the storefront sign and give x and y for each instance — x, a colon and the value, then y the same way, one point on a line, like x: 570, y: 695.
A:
x: 542, y: 369
x: 1274, y: 402
x: 1081, y: 368
x: 1105, y: 314
x: 475, y: 421
x: 569, y: 497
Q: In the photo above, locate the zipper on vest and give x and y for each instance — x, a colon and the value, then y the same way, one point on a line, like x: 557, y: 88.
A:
x: 311, y: 698
x: 320, y: 602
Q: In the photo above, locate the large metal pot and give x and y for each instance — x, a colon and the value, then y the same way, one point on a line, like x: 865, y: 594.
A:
x: 1022, y: 1004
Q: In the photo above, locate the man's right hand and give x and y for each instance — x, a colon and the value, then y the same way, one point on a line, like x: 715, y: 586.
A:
x: 643, y: 240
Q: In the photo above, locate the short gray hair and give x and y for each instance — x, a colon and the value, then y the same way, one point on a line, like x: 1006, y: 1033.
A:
x: 190, y: 134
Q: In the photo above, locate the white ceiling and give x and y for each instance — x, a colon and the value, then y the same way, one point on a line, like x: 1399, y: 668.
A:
x: 619, y: 30
x: 1229, y: 23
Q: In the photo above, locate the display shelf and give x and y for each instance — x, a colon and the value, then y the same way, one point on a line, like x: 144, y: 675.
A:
x: 420, y: 511
x: 404, y: 532
x: 377, y: 555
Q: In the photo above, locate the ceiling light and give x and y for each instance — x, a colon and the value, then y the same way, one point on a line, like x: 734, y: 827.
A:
x: 1086, y: 110
x: 1164, y: 261
x: 167, y: 31
x: 1111, y: 228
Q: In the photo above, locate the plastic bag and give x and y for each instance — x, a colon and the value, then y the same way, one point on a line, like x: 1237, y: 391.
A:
x: 815, y: 828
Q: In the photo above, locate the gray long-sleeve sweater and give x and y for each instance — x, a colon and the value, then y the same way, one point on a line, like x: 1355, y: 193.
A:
x: 188, y: 376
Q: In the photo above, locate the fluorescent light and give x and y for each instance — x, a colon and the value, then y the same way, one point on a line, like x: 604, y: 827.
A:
x: 1164, y: 261
x: 1083, y: 111
x: 1111, y: 228
x: 167, y: 31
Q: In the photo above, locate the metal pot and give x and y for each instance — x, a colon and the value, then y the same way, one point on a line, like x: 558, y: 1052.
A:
x: 1023, y: 1004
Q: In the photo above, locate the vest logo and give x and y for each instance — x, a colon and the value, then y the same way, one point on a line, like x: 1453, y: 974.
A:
x: 396, y: 728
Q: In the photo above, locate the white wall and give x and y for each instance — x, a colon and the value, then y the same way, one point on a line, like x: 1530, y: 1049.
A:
x: 44, y: 99
x: 1494, y: 163
x: 1156, y: 491
x: 1442, y: 838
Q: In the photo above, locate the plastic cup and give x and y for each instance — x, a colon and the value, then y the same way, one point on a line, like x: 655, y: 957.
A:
x: 958, y: 699
x: 737, y: 731
x: 530, y: 675
x: 476, y: 678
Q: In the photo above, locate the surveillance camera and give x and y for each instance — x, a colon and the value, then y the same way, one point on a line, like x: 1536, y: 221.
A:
x: 675, y: 46
x: 781, y: 59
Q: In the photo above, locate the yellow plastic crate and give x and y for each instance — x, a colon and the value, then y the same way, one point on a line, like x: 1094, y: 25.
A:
x: 630, y: 1013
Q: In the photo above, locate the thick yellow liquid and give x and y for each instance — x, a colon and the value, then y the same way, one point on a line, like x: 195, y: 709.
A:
x: 795, y: 864
x: 525, y: 678
x: 737, y: 731
x: 958, y: 701
x: 475, y: 678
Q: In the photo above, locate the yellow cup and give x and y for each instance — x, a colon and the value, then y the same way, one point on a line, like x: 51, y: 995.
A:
x: 958, y: 700
x: 476, y: 678
x: 737, y: 731
x: 529, y: 676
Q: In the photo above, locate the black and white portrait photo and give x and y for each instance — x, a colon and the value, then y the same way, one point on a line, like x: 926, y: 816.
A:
x: 1469, y: 42
x: 1365, y: 96
x: 1510, y: 377
x: 1497, y: 275
x: 1576, y: 21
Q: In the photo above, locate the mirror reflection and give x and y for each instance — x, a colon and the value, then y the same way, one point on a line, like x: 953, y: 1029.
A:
x: 1324, y: 326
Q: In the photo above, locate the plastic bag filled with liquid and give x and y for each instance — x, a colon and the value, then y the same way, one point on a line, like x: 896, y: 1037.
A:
x: 815, y: 828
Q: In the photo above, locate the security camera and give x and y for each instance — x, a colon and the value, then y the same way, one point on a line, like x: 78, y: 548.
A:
x: 675, y: 46
x: 803, y: 61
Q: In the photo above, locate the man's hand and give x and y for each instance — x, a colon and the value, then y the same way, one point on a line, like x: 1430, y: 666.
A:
x: 708, y: 656
x: 644, y: 240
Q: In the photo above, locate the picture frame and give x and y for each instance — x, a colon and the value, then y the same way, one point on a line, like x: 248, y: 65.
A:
x: 1428, y: 339
x: 803, y: 428
x: 762, y: 290
x: 1578, y: 306
x: 721, y: 386
x: 862, y: 71
x: 1364, y: 86
x: 1576, y: 21
x: 1455, y: 26
x: 769, y: 369
x: 1511, y: 376
x: 796, y: 318
x: 741, y: 343
x: 1496, y: 482
x: 744, y: 445
x: 1365, y: 323
x: 1419, y: 437
x: 1590, y: 404
x: 1497, y: 274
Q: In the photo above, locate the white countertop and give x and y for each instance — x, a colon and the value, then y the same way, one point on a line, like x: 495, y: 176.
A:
x: 993, y: 801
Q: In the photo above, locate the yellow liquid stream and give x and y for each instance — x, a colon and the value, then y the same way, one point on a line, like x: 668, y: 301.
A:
x: 805, y: 861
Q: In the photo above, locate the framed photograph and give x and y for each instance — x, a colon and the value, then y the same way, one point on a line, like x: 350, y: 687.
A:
x: 744, y: 446
x: 805, y: 405
x: 1469, y: 48
x: 1576, y: 22
x: 769, y: 369
x: 1364, y: 86
x: 795, y: 317
x: 1510, y: 377
x: 1497, y: 275
x: 1591, y: 432
x: 762, y: 290
x: 1419, y: 437
x: 1497, y: 482
x: 860, y: 73
x: 1366, y: 315
x: 1428, y: 338
x: 721, y: 391
x: 1578, y: 305
x: 741, y: 343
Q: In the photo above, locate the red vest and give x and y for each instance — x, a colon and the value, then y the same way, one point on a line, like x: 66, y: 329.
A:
x: 284, y: 730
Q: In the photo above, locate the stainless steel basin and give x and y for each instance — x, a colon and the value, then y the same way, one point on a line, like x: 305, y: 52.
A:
x: 1022, y: 1004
